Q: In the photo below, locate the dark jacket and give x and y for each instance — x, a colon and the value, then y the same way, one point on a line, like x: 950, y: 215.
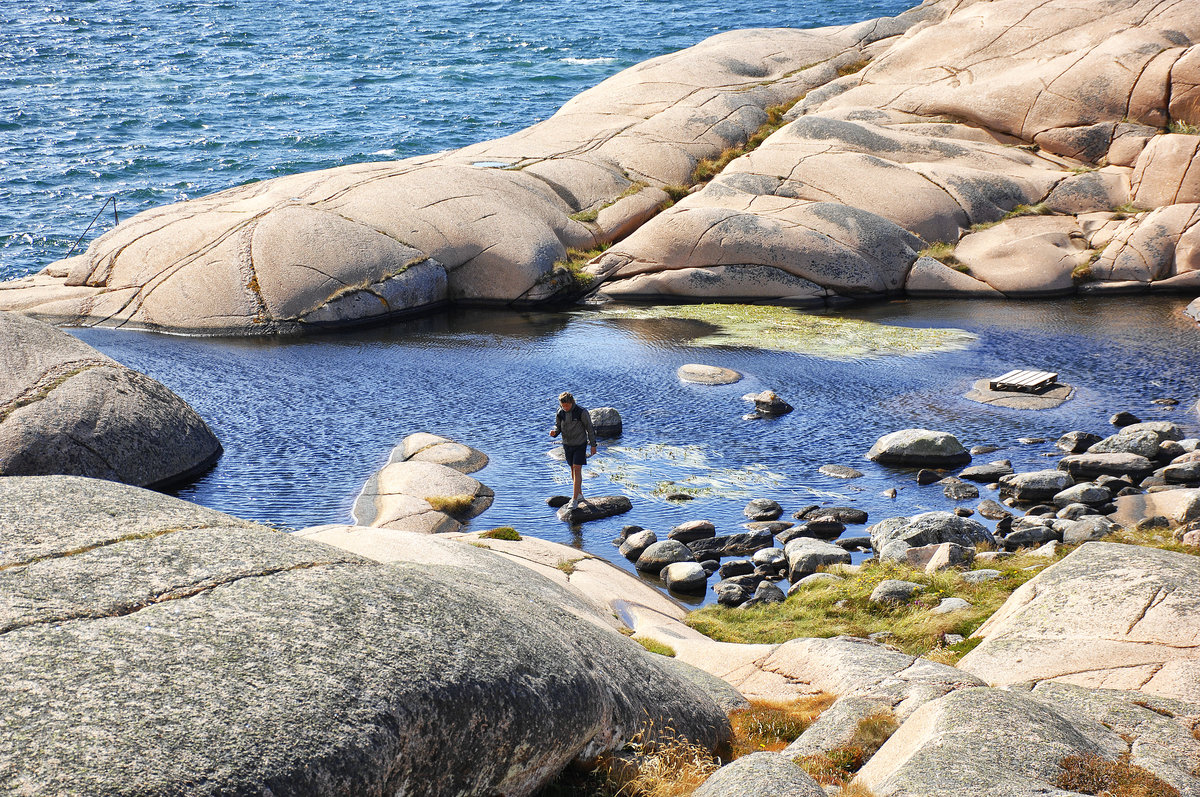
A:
x: 575, y: 426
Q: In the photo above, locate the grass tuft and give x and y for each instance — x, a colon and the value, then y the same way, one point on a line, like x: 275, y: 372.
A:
x: 943, y: 251
x: 568, y: 565
x: 1091, y: 774
x: 770, y: 725
x: 451, y: 504
x: 708, y: 168
x: 837, y: 766
x: 827, y: 609
x: 502, y: 533
x: 674, y: 768
x: 654, y: 646
x: 1183, y: 128
x: 576, y: 259
x: 854, y: 68
x: 1039, y: 209
x: 853, y: 789
x: 1126, y: 210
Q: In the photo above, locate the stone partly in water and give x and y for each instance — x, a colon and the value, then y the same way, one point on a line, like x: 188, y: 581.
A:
x: 149, y: 627
x: 606, y: 421
x: 589, y: 509
x: 767, y: 405
x: 661, y: 554
x: 919, y: 447
x: 707, y: 374
x: 688, y: 578
x: 65, y: 408
x: 840, y: 472
x: 1057, y: 395
x: 763, y: 509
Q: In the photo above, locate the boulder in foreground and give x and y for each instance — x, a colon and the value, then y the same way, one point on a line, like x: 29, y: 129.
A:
x: 65, y: 408
x: 157, y: 643
x: 1108, y: 615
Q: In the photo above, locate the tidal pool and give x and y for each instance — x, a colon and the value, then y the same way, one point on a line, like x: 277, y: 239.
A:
x: 305, y: 421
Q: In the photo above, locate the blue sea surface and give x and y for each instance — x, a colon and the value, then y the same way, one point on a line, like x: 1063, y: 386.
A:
x: 152, y: 103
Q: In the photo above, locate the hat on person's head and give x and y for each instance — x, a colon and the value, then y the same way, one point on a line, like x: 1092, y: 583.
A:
x: 565, y: 398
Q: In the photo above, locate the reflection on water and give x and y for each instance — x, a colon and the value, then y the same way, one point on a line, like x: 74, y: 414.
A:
x: 306, y: 421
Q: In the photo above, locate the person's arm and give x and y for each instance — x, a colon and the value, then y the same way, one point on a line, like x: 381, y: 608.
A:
x: 557, y: 424
x: 586, y: 417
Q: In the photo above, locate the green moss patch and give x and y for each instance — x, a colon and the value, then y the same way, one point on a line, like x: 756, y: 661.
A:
x: 502, y: 533
x: 789, y: 330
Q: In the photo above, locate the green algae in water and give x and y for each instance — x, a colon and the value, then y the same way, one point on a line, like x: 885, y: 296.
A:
x: 790, y: 330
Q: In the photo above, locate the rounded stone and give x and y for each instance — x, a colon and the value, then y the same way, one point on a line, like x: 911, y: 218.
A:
x: 636, y: 543
x: 919, y: 447
x: 689, y: 578
x: 763, y: 509
x: 692, y: 530
x: 661, y: 554
x: 606, y: 421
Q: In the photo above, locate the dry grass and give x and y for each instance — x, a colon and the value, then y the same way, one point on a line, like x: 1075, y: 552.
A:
x: 770, y: 726
x: 568, y: 565
x: 1183, y: 128
x: 1091, y: 774
x: 502, y: 533
x: 853, y: 789
x: 943, y: 251
x: 836, y: 767
x: 854, y: 68
x: 674, y: 768
x: 451, y: 504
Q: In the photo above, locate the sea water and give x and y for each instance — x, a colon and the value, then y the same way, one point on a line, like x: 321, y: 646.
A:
x: 150, y: 103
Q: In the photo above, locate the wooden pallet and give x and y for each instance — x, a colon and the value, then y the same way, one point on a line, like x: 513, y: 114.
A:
x: 1024, y: 381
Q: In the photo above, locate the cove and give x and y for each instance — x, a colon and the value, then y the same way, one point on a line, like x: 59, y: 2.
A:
x: 305, y: 421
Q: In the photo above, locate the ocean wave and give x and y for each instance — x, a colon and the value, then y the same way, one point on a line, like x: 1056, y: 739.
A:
x: 588, y: 61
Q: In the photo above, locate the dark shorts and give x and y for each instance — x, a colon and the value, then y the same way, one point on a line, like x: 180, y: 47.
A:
x: 576, y: 455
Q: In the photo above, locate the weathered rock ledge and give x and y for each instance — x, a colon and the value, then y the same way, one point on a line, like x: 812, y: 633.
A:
x: 925, y: 156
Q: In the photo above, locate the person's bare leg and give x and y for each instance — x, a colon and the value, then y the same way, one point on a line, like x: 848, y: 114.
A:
x: 577, y: 481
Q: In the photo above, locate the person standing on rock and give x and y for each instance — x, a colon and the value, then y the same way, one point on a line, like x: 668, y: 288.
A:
x: 575, y: 425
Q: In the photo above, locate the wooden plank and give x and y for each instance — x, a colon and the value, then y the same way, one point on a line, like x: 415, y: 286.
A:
x: 1024, y: 381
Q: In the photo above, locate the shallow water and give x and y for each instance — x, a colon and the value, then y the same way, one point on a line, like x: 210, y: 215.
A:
x: 306, y: 421
x: 151, y: 103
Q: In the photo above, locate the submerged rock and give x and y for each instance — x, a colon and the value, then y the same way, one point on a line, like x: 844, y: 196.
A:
x: 708, y: 374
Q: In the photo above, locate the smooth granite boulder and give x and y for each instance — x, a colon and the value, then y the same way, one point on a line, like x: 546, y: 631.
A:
x: 153, y: 645
x: 425, y: 447
x: 983, y: 741
x: 919, y: 448
x: 1108, y: 615
x: 760, y: 773
x: 1089, y: 466
x: 806, y: 555
x: 65, y: 408
x: 661, y: 554
x: 1038, y: 485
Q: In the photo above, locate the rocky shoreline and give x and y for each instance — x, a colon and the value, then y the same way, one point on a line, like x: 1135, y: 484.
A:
x: 962, y: 149
x: 922, y: 155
